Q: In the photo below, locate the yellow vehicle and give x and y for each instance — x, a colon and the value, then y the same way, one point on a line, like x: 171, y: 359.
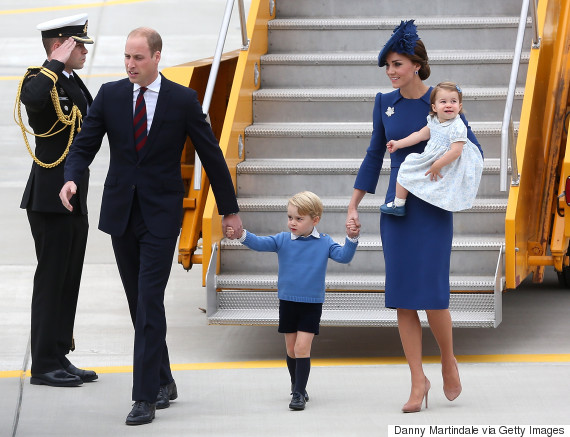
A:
x: 279, y: 110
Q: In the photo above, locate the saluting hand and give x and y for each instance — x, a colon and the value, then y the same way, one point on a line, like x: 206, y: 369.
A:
x: 63, y: 52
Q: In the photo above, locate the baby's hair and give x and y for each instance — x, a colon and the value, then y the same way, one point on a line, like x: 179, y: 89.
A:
x: 448, y: 86
x: 307, y: 203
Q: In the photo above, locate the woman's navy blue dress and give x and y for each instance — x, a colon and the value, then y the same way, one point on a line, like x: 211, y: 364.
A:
x: 417, y: 246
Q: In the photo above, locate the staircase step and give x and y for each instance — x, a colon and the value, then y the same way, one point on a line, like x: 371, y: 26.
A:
x: 469, y: 255
x: 474, y: 68
x: 389, y: 23
x: 371, y: 203
x: 302, y: 130
x: 341, y: 282
x: 373, y: 242
x: 379, y: 8
x: 323, y: 166
x: 437, y: 57
x: 313, y: 105
x: 260, y: 215
x: 260, y: 308
x: 281, y: 177
x: 340, y: 140
x: 367, y: 93
x: 361, y: 33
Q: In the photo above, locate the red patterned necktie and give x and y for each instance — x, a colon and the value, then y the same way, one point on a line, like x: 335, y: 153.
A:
x: 139, y: 120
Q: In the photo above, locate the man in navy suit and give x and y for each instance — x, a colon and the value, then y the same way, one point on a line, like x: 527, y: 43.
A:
x: 142, y: 199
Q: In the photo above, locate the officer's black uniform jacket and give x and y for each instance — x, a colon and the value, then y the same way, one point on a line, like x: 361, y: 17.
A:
x: 44, y: 184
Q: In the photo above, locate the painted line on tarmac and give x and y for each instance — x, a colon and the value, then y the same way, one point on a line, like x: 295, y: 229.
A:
x: 75, y: 6
x: 331, y: 362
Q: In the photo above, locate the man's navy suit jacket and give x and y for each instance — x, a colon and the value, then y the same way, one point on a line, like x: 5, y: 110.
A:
x: 153, y: 172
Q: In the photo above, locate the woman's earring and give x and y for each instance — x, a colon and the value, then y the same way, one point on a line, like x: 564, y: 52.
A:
x: 416, y: 72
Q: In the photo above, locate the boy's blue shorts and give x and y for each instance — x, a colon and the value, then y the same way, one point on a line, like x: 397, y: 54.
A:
x: 299, y: 316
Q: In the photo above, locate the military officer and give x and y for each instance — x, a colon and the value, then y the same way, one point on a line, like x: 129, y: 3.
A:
x: 56, y: 100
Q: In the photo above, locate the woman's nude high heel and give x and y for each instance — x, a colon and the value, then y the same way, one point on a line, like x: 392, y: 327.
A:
x: 452, y: 393
x: 416, y: 407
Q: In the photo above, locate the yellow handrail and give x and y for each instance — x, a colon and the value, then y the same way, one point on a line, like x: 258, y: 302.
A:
x: 195, y: 75
x: 239, y: 115
x: 230, y: 113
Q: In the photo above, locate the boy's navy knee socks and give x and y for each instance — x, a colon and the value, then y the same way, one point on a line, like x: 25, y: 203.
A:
x: 302, y: 370
x: 291, y: 365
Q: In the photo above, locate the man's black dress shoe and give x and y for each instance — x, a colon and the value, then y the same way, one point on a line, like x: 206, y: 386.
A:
x: 142, y: 412
x: 166, y: 393
x: 85, y: 375
x: 297, y: 402
x: 56, y: 378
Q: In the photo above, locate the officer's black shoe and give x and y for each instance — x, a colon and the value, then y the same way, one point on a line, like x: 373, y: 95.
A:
x: 297, y: 402
x: 85, y: 375
x: 56, y: 378
x: 142, y: 412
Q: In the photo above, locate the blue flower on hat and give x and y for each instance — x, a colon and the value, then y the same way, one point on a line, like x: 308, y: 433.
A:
x: 403, y: 40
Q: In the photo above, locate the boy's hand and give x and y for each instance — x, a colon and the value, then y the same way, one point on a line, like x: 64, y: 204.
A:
x: 352, y: 230
x: 232, y: 234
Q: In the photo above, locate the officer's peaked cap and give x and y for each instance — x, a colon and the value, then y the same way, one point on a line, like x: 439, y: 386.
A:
x: 74, y: 26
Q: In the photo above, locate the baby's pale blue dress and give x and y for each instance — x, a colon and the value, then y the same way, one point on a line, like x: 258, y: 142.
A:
x: 457, y: 189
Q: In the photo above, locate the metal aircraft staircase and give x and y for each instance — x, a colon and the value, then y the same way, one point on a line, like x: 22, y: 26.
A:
x: 312, y: 125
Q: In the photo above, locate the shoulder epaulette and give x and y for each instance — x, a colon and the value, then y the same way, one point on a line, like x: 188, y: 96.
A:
x: 34, y: 71
x: 50, y: 74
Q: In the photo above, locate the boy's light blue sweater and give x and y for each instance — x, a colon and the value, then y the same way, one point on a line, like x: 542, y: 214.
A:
x: 302, y: 262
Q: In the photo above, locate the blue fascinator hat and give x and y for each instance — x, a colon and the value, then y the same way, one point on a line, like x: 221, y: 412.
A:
x: 403, y: 40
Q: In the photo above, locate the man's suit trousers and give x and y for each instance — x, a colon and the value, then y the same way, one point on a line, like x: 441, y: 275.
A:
x: 144, y: 263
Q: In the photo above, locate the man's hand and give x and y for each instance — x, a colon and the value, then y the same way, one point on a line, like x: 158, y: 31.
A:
x: 63, y: 52
x: 67, y: 192
x: 233, y: 222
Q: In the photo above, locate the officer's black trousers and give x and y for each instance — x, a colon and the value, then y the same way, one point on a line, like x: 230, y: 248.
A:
x: 60, y: 241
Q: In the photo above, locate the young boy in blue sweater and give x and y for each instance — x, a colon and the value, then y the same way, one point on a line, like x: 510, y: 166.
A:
x: 302, y: 254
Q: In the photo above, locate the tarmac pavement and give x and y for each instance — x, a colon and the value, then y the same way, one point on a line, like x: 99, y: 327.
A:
x: 232, y: 381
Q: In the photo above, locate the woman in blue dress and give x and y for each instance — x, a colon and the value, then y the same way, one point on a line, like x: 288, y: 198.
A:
x: 417, y: 246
